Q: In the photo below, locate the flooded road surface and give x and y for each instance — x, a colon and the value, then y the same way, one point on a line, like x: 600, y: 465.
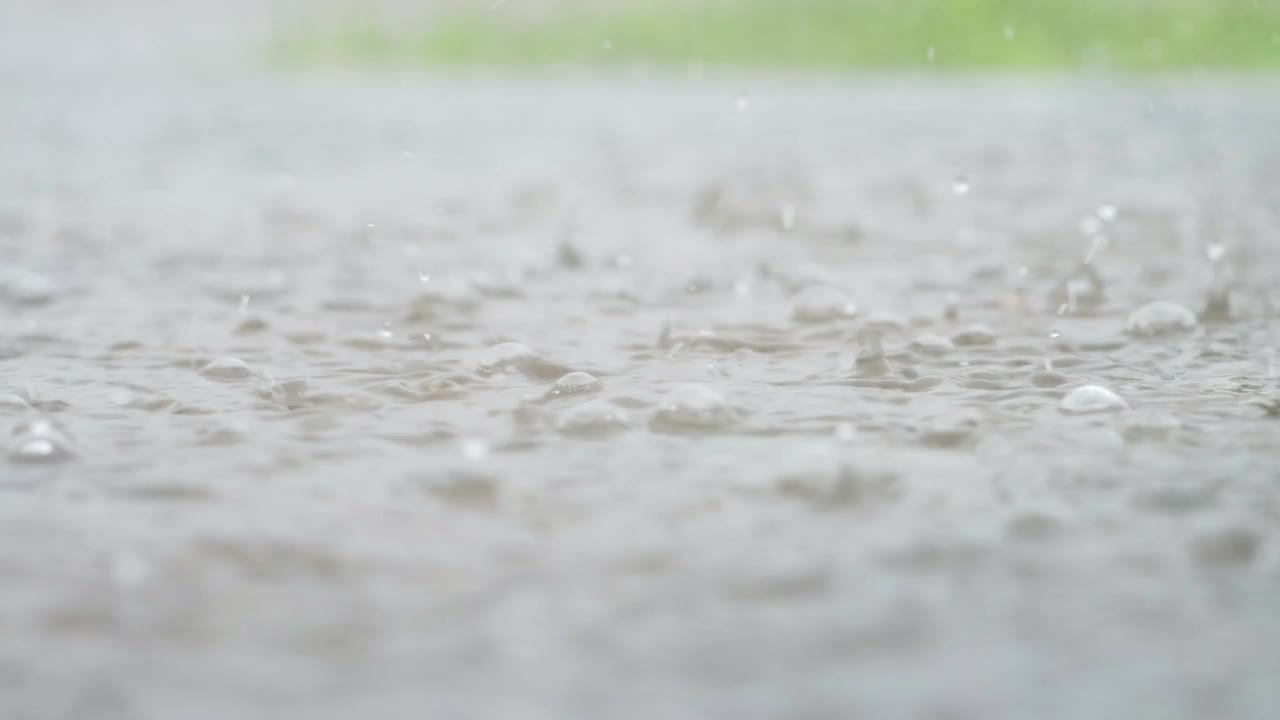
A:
x: 339, y: 396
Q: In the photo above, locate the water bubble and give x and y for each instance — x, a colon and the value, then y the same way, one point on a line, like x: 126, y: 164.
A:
x: 949, y: 431
x: 227, y: 368
x: 1088, y: 399
x: 692, y: 407
x: 506, y: 357
x: 24, y: 287
x: 473, y: 449
x: 1161, y: 318
x: 576, y: 383
x: 40, y: 441
x: 821, y: 303
x: 1151, y: 425
x: 960, y: 185
x: 932, y: 345
x: 975, y: 335
x: 870, y: 360
x: 592, y: 418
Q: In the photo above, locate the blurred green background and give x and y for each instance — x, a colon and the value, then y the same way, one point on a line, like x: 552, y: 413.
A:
x: 921, y: 35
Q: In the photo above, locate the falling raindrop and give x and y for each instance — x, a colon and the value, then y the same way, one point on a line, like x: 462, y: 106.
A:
x: 960, y: 185
x: 742, y: 103
x: 1108, y: 213
x: 930, y: 54
x: 1215, y: 252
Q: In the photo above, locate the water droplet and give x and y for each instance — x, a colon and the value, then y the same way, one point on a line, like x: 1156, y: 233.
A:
x: 592, y: 418
x: 1010, y: 32
x: 742, y: 103
x: 1096, y: 246
x: 40, y: 441
x: 1088, y: 399
x: 1108, y: 213
x: 227, y: 368
x: 606, y: 45
x: 960, y: 185
x: 692, y: 407
x: 931, y: 54
x: 820, y: 303
x: 1161, y: 318
x: 424, y: 277
x: 576, y: 383
x: 244, y: 303
x: 1215, y: 252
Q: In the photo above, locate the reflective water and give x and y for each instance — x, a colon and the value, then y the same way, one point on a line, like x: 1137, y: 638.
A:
x: 402, y: 397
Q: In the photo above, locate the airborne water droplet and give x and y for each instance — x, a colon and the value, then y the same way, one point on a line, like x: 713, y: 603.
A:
x: 1215, y: 251
x: 960, y: 185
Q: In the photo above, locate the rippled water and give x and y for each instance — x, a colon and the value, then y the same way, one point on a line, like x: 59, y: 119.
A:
x: 621, y: 398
